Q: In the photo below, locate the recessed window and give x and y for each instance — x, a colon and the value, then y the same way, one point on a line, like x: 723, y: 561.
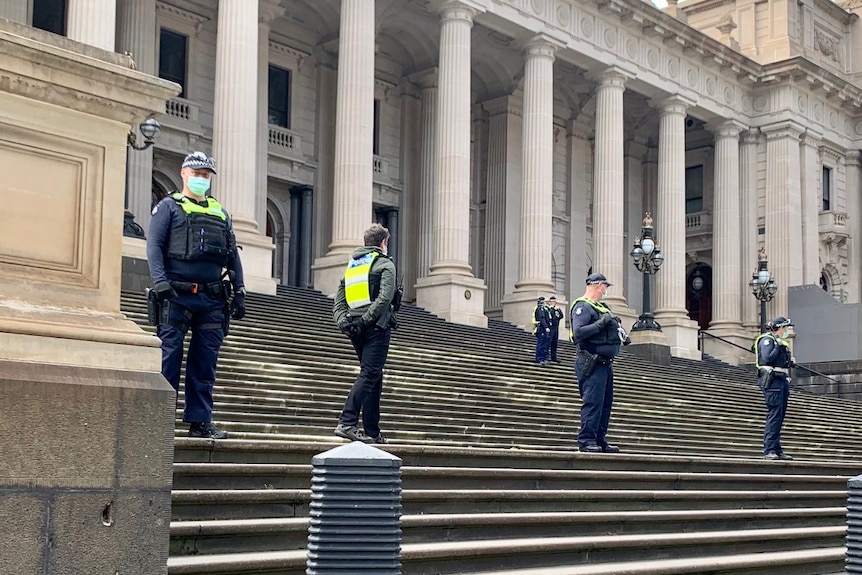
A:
x: 279, y: 97
x: 376, y: 144
x: 173, y: 54
x: 827, y: 188
x: 50, y: 15
x: 694, y: 189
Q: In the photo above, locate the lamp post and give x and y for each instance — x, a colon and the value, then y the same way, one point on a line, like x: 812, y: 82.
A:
x: 763, y: 286
x: 149, y: 130
x: 647, y: 258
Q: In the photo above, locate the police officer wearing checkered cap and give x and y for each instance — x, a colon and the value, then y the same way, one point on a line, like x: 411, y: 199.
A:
x: 190, y: 243
x: 773, y: 362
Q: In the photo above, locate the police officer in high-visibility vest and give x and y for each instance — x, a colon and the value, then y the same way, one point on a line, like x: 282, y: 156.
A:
x: 556, y: 315
x: 597, y: 333
x: 363, y: 311
x: 190, y: 244
x: 774, y: 361
x: 542, y: 330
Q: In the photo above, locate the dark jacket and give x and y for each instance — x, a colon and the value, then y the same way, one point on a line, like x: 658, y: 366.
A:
x: 382, y: 284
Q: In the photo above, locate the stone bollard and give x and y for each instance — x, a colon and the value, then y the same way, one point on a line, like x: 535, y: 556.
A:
x: 355, y: 517
x: 853, y: 564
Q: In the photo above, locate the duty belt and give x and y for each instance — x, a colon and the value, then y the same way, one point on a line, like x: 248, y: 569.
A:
x: 601, y: 359
x: 213, y: 288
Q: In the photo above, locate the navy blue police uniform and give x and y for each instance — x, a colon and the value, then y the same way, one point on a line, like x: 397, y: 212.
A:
x: 595, y: 331
x: 189, y: 244
x: 541, y: 329
x: 556, y: 314
x: 774, y: 361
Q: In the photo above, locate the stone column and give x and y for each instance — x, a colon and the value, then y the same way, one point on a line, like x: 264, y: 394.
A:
x: 503, y: 201
x: 305, y: 244
x: 15, y: 10
x: 136, y: 34
x: 534, y: 264
x: 580, y: 157
x: 853, y: 187
x: 411, y: 178
x: 235, y: 137
x: 270, y: 10
x: 608, y: 196
x: 783, y: 210
x: 812, y: 201
x: 670, y: 226
x: 92, y: 22
x: 324, y: 144
x: 353, y: 176
x: 749, y: 238
x: 450, y: 290
x: 394, y: 233
x: 726, y: 270
x: 293, y: 269
x: 427, y: 184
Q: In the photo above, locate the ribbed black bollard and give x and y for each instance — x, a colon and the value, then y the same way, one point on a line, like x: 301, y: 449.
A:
x: 355, y: 518
x: 853, y: 564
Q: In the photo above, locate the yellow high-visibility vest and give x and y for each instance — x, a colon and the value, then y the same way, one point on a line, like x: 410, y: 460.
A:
x: 357, y: 288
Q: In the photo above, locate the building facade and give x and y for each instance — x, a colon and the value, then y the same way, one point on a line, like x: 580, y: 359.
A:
x: 511, y: 146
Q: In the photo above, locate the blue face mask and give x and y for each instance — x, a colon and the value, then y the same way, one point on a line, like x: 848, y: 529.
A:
x: 198, y: 186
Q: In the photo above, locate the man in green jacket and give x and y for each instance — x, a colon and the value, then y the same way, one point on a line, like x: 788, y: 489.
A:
x: 363, y: 311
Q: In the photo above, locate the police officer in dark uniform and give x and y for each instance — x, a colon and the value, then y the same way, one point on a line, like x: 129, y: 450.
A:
x: 774, y: 361
x: 542, y: 330
x: 556, y: 314
x: 190, y: 243
x: 598, y: 335
x: 364, y: 310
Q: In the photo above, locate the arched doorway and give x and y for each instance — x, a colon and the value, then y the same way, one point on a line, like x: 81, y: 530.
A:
x: 698, y: 294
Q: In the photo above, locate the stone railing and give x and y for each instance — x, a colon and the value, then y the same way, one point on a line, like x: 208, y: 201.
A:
x: 833, y: 226
x: 182, y: 109
x: 285, y: 143
x: 698, y: 223
x: 380, y: 169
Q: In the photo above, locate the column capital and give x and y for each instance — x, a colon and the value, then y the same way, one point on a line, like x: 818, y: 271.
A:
x: 613, y: 77
x: 811, y: 138
x: 542, y: 46
x: 674, y: 104
x: 426, y: 78
x: 504, y: 105
x: 464, y: 10
x: 853, y: 158
x: 724, y: 128
x: 785, y: 129
x: 751, y: 136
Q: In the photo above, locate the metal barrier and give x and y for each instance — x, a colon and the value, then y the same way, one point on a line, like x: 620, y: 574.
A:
x: 853, y: 563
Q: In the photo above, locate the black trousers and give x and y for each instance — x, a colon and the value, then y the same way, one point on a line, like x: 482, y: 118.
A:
x: 372, y: 347
x: 555, y: 341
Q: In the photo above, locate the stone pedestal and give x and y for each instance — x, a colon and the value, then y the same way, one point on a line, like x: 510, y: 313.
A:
x: 650, y: 345
x: 453, y: 297
x: 727, y: 352
x: 85, y: 477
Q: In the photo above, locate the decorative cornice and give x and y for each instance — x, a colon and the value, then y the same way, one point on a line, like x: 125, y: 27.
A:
x: 189, y: 18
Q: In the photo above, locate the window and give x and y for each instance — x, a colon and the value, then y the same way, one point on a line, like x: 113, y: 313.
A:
x: 279, y: 97
x: 173, y: 48
x: 694, y: 189
x: 827, y: 188
x: 376, y: 144
x: 50, y: 15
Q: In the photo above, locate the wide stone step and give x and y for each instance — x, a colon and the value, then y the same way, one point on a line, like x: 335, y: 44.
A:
x: 258, y: 503
x: 282, y: 534
x: 496, y: 556
x: 191, y: 476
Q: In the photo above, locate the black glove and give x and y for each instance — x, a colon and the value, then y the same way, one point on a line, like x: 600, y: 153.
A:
x: 237, y: 306
x: 604, y: 320
x: 164, y: 290
x: 346, y: 326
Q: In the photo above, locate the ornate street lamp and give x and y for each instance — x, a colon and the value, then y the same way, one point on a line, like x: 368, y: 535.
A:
x: 763, y: 286
x: 647, y: 258
x: 149, y: 130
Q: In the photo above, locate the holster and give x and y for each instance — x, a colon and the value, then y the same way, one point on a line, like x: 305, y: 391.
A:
x: 152, y: 307
x: 590, y: 363
x: 764, y: 379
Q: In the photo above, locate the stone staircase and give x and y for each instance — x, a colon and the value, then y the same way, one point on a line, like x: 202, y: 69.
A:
x: 492, y: 481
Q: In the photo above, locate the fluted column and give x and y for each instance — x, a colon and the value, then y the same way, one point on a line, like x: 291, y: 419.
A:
x: 92, y: 22
x: 579, y: 160
x: 136, y: 34
x: 811, y: 194
x: 14, y: 10
x: 534, y: 264
x: 608, y: 248
x: 452, y: 214
x: 352, y: 202
x: 749, y: 240
x: 670, y: 212
x: 783, y: 210
x: 853, y: 185
x: 270, y: 10
x: 235, y: 135
x: 725, y: 240
x: 428, y: 169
